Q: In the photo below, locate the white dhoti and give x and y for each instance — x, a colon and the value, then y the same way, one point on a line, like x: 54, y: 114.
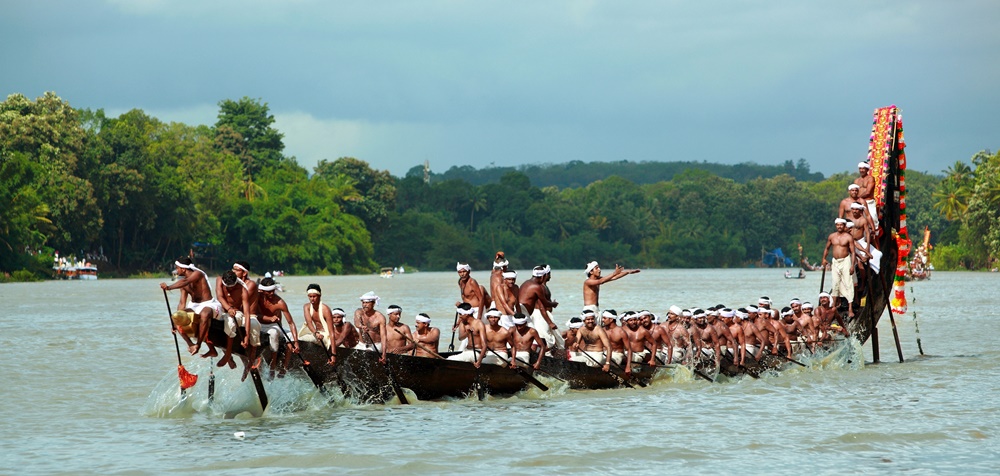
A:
x: 363, y: 346
x: 552, y: 339
x: 872, y: 212
x: 640, y: 356
x: 236, y: 321
x: 274, y: 335
x: 593, y: 358
x: 466, y: 356
x: 306, y: 335
x: 876, y: 261
x: 506, y: 321
x: 523, y: 358
x: 618, y: 357
x: 843, y: 284
x: 213, y: 304
x: 491, y: 358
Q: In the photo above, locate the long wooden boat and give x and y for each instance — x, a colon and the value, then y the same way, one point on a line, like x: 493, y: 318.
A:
x: 579, y: 375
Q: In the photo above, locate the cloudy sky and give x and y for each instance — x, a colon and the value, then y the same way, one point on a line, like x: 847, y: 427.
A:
x: 396, y: 83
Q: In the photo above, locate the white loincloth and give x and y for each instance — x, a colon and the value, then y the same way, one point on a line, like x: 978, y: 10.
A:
x: 274, y: 335
x: 213, y: 304
x: 236, y: 321
x: 876, y: 260
x: 306, y: 335
x: 362, y: 346
x: 618, y: 357
x: 596, y: 358
x: 552, y: 339
x: 842, y: 278
x: 872, y: 212
x: 466, y: 356
x: 492, y: 359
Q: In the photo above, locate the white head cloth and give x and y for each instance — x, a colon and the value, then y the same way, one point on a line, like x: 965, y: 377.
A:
x: 394, y: 308
x: 500, y: 264
x: 422, y: 318
x: 548, y: 269
x: 538, y: 271
x: 237, y: 265
x: 609, y: 315
x: 461, y: 266
x: 849, y: 224
x: 839, y: 220
x: 337, y: 310
x: 795, y: 301
x: 370, y: 296
x: 685, y: 313
x: 726, y: 313
x: 590, y: 267
x: 510, y: 275
x: 463, y: 312
x: 864, y: 165
x: 752, y: 309
x: 807, y: 305
x: 857, y: 206
x: 520, y: 320
x: 493, y: 312
x: 675, y: 309
x: 574, y: 324
x: 853, y: 186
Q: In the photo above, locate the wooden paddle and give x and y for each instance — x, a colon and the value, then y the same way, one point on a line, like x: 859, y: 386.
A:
x: 539, y: 370
x: 523, y: 373
x: 187, y: 379
x: 316, y: 379
x: 388, y: 372
x: 822, y: 279
x: 478, y: 383
x: 454, y: 327
x: 617, y: 377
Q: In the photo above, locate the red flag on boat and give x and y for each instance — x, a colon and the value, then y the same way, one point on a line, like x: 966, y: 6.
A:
x: 187, y: 378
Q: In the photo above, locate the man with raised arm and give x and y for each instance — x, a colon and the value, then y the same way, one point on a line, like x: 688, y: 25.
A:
x: 371, y: 325
x: 592, y: 285
x: 193, y: 283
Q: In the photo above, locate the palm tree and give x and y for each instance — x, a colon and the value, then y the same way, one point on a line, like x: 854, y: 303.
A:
x: 477, y: 202
x: 951, y: 199
x: 959, y: 172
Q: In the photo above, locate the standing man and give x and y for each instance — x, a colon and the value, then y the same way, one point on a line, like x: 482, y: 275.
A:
x: 371, y: 325
x: 533, y: 296
x: 592, y: 285
x: 470, y: 290
x: 506, y: 297
x: 426, y: 336
x: 193, y: 282
x: 496, y: 276
x: 866, y: 190
x: 841, y: 243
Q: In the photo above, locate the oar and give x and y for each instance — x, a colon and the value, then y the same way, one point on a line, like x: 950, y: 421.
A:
x: 478, y: 383
x: 211, y: 380
x: 822, y: 279
x: 316, y: 380
x: 752, y: 373
x: 451, y: 347
x: 388, y: 372
x: 789, y: 359
x: 258, y: 384
x: 539, y: 370
x: 617, y: 377
x: 417, y: 344
x: 187, y: 379
x: 524, y: 374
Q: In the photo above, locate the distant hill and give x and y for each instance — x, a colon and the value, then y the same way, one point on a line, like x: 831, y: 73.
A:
x: 579, y: 174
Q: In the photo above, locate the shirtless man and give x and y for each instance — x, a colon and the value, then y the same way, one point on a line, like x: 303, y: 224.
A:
x: 826, y: 313
x: 317, y: 317
x: 863, y: 233
x: 728, y: 341
x: 807, y: 323
x: 248, y: 318
x: 193, y: 282
x: 470, y: 290
x: 592, y: 285
x: 534, y: 297
x: 754, y: 336
x: 473, y: 329
x: 640, y: 341
x: 506, y: 297
x: 621, y: 353
x: 852, y: 197
x: 371, y: 325
x: 738, y: 351
x: 706, y: 336
x: 496, y: 276
x: 498, y: 340
x: 866, y: 190
x: 676, y: 337
x: 841, y: 244
x: 569, y: 335
x: 796, y: 333
x: 524, y: 338
x: 231, y: 297
x: 425, y: 335
x: 778, y: 334
x: 594, y: 342
x: 270, y: 308
x: 397, y: 335
x: 342, y: 334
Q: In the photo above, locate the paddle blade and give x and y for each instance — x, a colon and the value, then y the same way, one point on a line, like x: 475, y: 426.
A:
x: 187, y: 378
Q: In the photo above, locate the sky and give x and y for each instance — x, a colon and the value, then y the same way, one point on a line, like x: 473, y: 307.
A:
x: 481, y: 83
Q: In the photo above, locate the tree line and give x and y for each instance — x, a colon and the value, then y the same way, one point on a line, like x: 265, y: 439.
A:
x: 133, y: 193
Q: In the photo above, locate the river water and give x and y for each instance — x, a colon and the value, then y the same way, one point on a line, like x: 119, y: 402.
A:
x: 90, y: 386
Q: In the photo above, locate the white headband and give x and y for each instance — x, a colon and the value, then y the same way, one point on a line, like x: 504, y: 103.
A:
x: 460, y: 267
x: 849, y: 224
x: 590, y: 267
x: 538, y: 272
x: 794, y: 301
x: 237, y: 265
x: 609, y: 315
x: 740, y: 314
x: 727, y: 313
x: 493, y: 312
x: 853, y: 186
x: 394, y: 308
x: 422, y: 318
x: 267, y: 288
x: 336, y: 311
x: 313, y: 291
x: 807, y: 305
x: 510, y: 275
x: 857, y: 206
x: 520, y: 320
x: 864, y: 165
x: 686, y: 313
x: 578, y: 323
x: 752, y: 309
x: 675, y: 310
x: 500, y: 264
x: 464, y: 312
x: 370, y: 296
x: 839, y: 220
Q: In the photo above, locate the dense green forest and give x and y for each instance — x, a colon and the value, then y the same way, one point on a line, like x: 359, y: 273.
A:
x: 133, y: 193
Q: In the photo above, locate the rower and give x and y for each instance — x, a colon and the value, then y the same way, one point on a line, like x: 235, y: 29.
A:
x: 525, y: 338
x: 706, y: 336
x: 245, y: 316
x: 425, y: 335
x: 498, y: 339
x: 317, y: 318
x: 506, y: 296
x: 472, y: 328
x: 398, y: 339
x: 231, y: 297
x: 469, y: 290
x: 371, y: 325
x: 534, y: 296
x: 592, y: 341
x: 616, y: 337
x: 342, y: 333
x: 569, y: 335
x: 755, y: 337
x: 640, y: 341
x: 193, y: 282
x: 270, y: 308
x: 732, y: 321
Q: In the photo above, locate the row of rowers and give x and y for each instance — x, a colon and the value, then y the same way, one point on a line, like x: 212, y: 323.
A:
x: 689, y: 334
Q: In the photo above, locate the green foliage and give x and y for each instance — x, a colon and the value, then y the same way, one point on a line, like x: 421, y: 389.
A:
x: 949, y: 257
x: 971, y: 197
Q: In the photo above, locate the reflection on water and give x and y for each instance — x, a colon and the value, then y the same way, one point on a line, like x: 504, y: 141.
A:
x: 91, y: 386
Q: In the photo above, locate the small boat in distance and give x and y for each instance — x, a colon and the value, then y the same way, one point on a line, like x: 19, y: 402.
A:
x: 71, y: 268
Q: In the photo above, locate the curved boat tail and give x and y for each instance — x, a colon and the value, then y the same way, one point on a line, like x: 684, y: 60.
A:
x: 888, y: 164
